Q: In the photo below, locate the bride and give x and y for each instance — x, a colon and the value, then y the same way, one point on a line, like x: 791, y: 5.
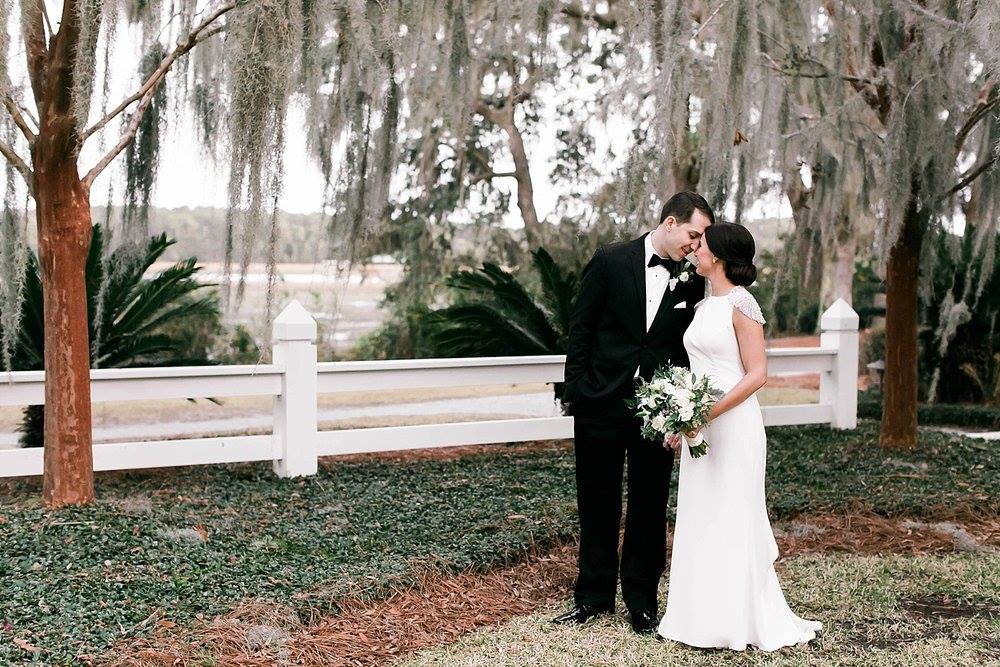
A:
x: 723, y: 590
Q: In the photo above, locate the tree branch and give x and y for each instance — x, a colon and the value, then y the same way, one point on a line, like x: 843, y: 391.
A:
x: 200, y: 33
x: 146, y: 99
x: 870, y: 90
x: 981, y: 111
x: 825, y: 74
x: 34, y: 46
x: 126, y: 138
x: 574, y: 10
x: 709, y: 19
x: 948, y: 23
x: 971, y: 175
x: 15, y: 113
x: 11, y: 155
x: 45, y: 15
x: 59, y: 66
x: 489, y: 176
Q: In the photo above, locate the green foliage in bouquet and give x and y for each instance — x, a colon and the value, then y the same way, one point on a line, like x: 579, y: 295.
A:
x: 675, y: 400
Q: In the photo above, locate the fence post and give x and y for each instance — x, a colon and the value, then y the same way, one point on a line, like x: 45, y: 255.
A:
x: 839, y: 387
x: 293, y: 333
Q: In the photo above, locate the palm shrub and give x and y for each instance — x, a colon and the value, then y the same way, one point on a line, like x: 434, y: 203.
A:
x: 128, y: 315
x: 496, y: 314
x: 959, y: 351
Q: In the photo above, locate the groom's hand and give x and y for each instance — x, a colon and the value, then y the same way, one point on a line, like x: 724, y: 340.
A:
x: 673, y: 441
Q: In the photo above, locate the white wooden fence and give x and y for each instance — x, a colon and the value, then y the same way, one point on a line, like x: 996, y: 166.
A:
x: 295, y: 378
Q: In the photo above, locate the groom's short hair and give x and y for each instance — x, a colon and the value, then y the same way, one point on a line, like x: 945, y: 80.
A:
x: 682, y: 206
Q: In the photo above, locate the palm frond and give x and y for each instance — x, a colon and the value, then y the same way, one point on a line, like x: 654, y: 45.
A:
x: 491, y: 284
x: 558, y: 289
x: 123, y: 283
x: 134, y: 350
x: 496, y: 314
x: 148, y: 297
x: 186, y: 308
x: 478, y: 329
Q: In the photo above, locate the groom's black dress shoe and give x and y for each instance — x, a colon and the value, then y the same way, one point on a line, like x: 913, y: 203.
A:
x: 582, y: 613
x: 643, y: 622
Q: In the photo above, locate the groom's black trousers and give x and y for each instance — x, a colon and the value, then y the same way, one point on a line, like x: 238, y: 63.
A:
x: 606, y: 435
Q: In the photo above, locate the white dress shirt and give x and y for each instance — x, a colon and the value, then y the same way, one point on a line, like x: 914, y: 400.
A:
x: 657, y: 279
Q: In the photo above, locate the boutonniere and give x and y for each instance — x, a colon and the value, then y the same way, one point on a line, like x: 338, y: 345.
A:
x: 684, y: 275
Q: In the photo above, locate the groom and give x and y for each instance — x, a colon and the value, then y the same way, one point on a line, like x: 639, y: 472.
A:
x: 636, y: 299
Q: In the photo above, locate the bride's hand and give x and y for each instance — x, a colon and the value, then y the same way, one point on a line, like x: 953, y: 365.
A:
x: 693, y: 433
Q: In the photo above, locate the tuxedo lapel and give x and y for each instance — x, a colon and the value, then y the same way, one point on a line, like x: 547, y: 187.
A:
x: 670, y: 299
x: 638, y: 262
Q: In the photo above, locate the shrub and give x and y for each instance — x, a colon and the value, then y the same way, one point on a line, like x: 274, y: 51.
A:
x: 938, y: 414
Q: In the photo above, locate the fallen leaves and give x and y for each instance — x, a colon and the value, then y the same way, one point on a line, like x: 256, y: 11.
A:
x: 25, y: 645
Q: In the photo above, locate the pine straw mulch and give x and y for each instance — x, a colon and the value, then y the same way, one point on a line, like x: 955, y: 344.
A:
x: 438, y: 610
x: 447, y: 453
x: 870, y: 534
x: 442, y: 607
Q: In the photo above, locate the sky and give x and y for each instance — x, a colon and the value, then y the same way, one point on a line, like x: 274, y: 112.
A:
x: 187, y: 178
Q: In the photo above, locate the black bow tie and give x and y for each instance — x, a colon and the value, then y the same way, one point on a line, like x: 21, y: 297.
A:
x: 670, y: 265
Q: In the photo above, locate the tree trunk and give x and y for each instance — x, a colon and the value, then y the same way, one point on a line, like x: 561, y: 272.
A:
x: 838, y: 266
x: 804, y: 238
x: 64, y: 230
x: 899, y: 400
x: 685, y: 168
x: 525, y: 190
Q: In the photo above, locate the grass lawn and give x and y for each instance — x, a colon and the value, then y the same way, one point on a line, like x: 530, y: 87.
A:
x: 189, y: 544
x: 876, y: 611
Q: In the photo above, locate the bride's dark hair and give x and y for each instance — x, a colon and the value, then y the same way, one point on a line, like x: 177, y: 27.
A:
x: 734, y: 245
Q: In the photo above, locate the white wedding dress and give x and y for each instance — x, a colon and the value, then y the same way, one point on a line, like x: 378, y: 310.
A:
x: 723, y: 590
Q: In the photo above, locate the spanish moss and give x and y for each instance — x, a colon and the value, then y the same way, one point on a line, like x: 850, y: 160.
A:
x: 264, y: 37
x: 13, y: 259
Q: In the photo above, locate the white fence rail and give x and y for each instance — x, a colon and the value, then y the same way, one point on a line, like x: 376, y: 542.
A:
x: 294, y: 380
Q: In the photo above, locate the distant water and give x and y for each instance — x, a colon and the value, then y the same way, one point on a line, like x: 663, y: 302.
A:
x: 539, y: 404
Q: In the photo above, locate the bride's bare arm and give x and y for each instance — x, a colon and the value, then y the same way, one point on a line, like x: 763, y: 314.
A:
x: 750, y: 336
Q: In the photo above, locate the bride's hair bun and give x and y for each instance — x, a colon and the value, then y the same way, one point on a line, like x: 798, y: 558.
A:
x: 741, y: 273
x: 734, y: 245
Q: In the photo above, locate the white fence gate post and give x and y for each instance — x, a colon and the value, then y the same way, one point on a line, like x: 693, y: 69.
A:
x: 295, y: 427
x: 839, y: 387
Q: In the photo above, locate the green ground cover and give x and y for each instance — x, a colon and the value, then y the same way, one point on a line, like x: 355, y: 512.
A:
x: 195, y: 542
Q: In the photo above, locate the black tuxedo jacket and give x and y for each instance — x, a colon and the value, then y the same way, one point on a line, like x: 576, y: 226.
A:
x: 608, y: 337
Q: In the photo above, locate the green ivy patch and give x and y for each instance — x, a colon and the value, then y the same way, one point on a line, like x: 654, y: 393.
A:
x: 940, y: 414
x: 197, y: 541
x: 814, y: 469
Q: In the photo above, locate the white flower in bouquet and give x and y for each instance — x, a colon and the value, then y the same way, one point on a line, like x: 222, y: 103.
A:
x: 675, y: 400
x: 683, y: 396
x: 663, y: 385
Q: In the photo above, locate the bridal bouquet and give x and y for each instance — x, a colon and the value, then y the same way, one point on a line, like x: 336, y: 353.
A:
x: 675, y: 401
